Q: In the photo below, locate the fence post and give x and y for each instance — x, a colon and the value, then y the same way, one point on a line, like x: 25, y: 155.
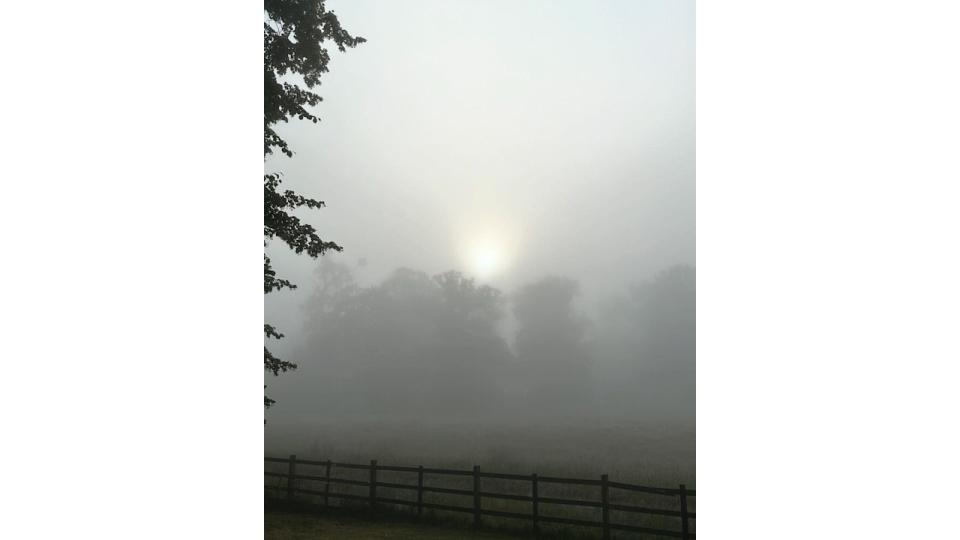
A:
x: 605, y: 501
x: 291, y: 471
x: 536, y: 506
x: 373, y: 483
x: 326, y: 487
x: 476, y: 496
x: 420, y: 490
x: 683, y: 512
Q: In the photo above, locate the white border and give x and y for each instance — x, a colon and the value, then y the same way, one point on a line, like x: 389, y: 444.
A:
x: 827, y: 259
x: 828, y: 270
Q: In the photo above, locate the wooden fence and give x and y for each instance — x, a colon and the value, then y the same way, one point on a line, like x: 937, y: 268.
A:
x: 679, y: 495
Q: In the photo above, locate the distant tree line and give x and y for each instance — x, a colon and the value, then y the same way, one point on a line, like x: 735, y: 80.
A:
x: 445, y: 345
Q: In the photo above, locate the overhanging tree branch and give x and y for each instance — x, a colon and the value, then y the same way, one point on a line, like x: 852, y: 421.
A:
x: 294, y: 32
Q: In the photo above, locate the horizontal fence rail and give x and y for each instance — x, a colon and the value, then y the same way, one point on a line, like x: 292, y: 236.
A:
x: 680, y: 495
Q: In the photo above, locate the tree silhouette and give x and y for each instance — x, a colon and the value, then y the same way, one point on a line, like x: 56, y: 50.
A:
x: 551, y: 342
x: 294, y: 32
x: 650, y: 346
x: 410, y: 344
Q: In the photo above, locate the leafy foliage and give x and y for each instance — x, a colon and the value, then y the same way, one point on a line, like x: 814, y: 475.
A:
x: 294, y: 33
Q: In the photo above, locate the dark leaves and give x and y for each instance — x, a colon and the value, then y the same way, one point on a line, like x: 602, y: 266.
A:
x: 274, y: 364
x: 294, y: 32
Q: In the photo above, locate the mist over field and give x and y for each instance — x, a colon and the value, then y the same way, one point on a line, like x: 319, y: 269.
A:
x: 513, y: 184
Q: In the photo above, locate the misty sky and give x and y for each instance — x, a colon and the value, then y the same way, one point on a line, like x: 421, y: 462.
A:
x: 506, y: 139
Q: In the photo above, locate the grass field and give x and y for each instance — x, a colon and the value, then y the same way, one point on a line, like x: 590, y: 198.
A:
x: 306, y: 526
x: 629, y: 452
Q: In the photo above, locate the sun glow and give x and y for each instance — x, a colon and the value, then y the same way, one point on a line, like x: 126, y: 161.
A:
x: 485, y: 258
x: 488, y: 251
